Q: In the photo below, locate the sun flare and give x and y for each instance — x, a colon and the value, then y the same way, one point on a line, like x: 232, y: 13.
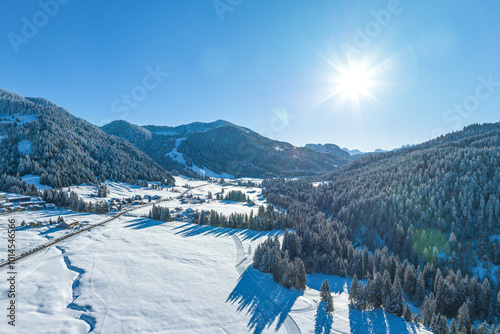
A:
x: 354, y: 82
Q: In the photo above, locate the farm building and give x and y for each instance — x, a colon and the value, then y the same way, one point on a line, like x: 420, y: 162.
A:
x: 69, y: 225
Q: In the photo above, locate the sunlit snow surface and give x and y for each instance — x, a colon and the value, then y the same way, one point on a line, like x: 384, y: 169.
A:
x: 136, y: 275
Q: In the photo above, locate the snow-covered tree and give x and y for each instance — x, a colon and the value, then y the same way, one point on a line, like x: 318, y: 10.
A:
x: 326, y: 296
x: 394, y: 301
x: 463, y: 319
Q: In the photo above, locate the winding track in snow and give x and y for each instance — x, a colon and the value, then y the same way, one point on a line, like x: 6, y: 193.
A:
x: 289, y: 324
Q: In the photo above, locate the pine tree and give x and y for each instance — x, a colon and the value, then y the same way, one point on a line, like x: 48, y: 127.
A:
x: 420, y: 291
x: 452, y: 329
x: 300, y: 274
x: 463, y: 319
x: 376, y: 291
x: 407, y: 315
x: 326, y: 295
x: 354, y: 290
x: 483, y: 328
x: 329, y: 304
x: 410, y: 281
x: 324, y: 291
x: 428, y: 310
x: 498, y: 302
x: 394, y: 301
x: 441, y: 325
x: 485, y: 299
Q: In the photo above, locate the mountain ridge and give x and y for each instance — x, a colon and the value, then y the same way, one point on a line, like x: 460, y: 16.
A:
x: 38, y: 137
x: 223, y: 147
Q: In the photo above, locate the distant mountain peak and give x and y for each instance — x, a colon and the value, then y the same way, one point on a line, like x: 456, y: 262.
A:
x: 188, y: 128
x: 331, y: 149
x: 127, y: 131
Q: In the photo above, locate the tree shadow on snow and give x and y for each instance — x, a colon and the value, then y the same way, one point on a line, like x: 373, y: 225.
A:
x: 263, y: 300
x: 191, y: 230
x: 378, y: 322
x: 324, y: 320
x: 140, y: 223
x: 336, y: 283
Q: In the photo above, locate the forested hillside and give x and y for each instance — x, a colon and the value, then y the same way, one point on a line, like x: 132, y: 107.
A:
x: 428, y: 215
x: 38, y: 137
x: 223, y: 147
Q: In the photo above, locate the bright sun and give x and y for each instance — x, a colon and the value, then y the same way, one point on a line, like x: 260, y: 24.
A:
x: 354, y: 82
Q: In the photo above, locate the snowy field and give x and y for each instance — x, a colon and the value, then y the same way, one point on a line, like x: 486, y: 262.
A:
x: 135, y: 275
x: 122, y: 190
x: 30, y: 237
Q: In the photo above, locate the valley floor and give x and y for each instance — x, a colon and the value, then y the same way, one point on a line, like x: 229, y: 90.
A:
x: 136, y: 275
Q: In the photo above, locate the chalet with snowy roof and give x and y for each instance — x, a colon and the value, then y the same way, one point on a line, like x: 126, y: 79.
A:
x: 14, y: 198
x: 69, y: 225
x: 6, y: 205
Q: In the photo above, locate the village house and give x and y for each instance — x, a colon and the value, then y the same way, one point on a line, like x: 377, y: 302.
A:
x: 69, y: 225
x: 6, y: 205
x: 14, y: 198
x: 35, y: 207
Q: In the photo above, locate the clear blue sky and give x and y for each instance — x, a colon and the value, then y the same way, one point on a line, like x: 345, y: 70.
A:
x: 263, y: 60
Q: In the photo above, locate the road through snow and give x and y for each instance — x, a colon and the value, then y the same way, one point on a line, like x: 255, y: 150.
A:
x: 242, y: 264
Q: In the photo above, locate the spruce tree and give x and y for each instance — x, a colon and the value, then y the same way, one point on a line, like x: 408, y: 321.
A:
x: 440, y: 325
x: 428, y: 310
x: 483, y: 328
x: 394, y: 303
x: 354, y: 290
x: 498, y: 302
x: 407, y: 315
x: 420, y: 291
x: 326, y: 296
x: 329, y: 304
x: 463, y: 318
x: 324, y: 290
x: 452, y: 329
x: 300, y: 274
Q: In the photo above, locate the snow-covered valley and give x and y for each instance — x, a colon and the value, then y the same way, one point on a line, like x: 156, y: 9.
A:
x: 137, y: 275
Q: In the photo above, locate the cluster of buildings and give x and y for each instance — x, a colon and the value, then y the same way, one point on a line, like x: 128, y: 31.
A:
x: 179, y: 214
x: 190, y: 199
x: 16, y: 203
x: 117, y: 203
x: 68, y: 225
